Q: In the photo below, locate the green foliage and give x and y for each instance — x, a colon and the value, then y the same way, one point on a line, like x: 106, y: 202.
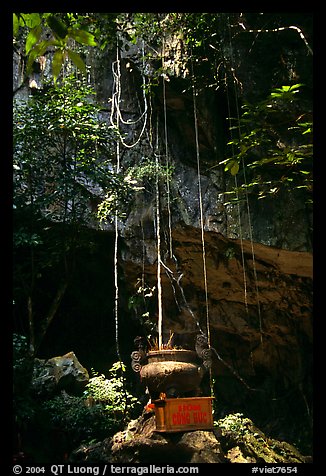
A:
x: 62, y: 153
x: 141, y: 303
x: 20, y: 350
x: 22, y: 362
x: 234, y: 423
x: 117, y: 403
x: 60, y: 149
x: 147, y: 171
x: 24, y: 408
x: 273, y: 139
x: 60, y: 30
x: 202, y: 40
x: 23, y: 237
x: 254, y: 445
x: 141, y: 176
x: 117, y: 197
x: 104, y: 408
x: 144, y: 26
x: 79, y: 422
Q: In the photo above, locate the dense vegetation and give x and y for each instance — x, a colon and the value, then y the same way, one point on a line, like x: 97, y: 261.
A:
x: 66, y: 174
x: 270, y: 135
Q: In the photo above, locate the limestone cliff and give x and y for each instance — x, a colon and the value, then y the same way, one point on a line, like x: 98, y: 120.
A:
x: 258, y: 254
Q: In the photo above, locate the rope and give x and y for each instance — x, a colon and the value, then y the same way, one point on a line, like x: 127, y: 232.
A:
x: 158, y: 237
x: 247, y: 198
x: 157, y: 224
x: 253, y: 256
x: 115, y: 120
x: 202, y: 224
x: 201, y: 215
x: 116, y: 99
x: 167, y: 158
x: 116, y: 89
x: 238, y: 210
x: 116, y: 283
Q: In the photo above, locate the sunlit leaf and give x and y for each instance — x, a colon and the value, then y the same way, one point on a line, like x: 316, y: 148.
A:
x: 33, y: 37
x: 235, y: 168
x: 83, y: 37
x: 38, y: 50
x: 30, y: 19
x: 57, y: 62
x: 296, y: 86
x: 15, y: 24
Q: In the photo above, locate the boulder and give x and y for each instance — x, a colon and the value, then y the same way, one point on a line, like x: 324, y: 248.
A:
x: 140, y: 443
x: 234, y: 439
x: 59, y: 373
x: 243, y: 442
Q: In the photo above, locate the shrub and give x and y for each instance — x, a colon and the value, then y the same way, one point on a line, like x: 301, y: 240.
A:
x: 77, y: 421
x: 102, y: 411
x: 111, y: 393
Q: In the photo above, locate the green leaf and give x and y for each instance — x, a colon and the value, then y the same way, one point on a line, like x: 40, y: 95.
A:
x: 57, y: 61
x: 235, y: 168
x: 30, y: 19
x: 296, y: 86
x: 76, y: 59
x: 232, y: 166
x: 36, y: 51
x: 290, y: 156
x: 83, y: 37
x: 15, y: 24
x: 33, y: 37
x: 57, y: 26
x: 243, y: 149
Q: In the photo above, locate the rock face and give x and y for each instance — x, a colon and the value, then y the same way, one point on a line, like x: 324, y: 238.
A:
x: 243, y: 442
x: 258, y: 257
x: 59, y: 373
x: 260, y: 320
x: 234, y: 440
x: 260, y: 290
x: 260, y: 324
x: 141, y: 444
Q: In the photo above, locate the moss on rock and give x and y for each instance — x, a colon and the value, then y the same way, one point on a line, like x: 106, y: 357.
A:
x: 243, y: 442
